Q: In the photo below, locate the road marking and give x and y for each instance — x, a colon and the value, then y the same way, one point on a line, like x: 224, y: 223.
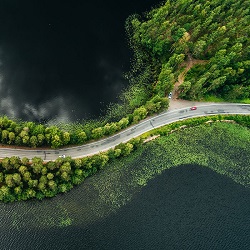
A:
x: 151, y: 124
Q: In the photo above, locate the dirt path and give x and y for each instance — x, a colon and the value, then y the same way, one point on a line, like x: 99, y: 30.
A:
x: 176, y: 103
x: 189, y: 64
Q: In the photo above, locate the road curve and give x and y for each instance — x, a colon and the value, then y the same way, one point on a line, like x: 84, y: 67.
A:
x: 129, y: 133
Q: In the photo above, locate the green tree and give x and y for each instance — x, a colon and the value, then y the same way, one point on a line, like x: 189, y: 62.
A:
x: 17, y: 178
x: 37, y: 165
x: 110, y: 128
x: 78, y: 163
x: 25, y: 161
x: 140, y: 113
x: 41, y: 186
x: 123, y: 123
x: 184, y: 88
x: 18, y: 191
x: 38, y: 129
x: 63, y: 188
x: 127, y: 149
x: 117, y: 152
x: 37, y: 168
x: 4, y: 192
x: 18, y: 140
x: 40, y: 139
x: 33, y: 183
x: 26, y: 176
x: 33, y: 141
x: 199, y: 48
x: 6, y: 163
x: 15, y: 162
x: 31, y: 126
x: 4, y: 122
x: 48, y: 138
x: 66, y: 138
x: 65, y: 176
x: 43, y: 179
x: 30, y: 193
x: 50, y: 176
x: 65, y: 167
x: 56, y: 141
x: 22, y: 169
x: 25, y: 140
x: 44, y: 170
x: 51, y: 165
x: 5, y: 136
x: 97, y: 133
x: 17, y: 129
x: 9, y: 180
x: 23, y: 133
x: 165, y: 81
x: 52, y: 185
x: 11, y: 137
x: 81, y: 137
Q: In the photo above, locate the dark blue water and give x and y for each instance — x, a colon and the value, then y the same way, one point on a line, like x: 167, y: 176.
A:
x: 63, y: 59
x: 188, y: 207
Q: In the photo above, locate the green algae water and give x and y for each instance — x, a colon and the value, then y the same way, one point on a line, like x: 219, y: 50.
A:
x: 189, y: 190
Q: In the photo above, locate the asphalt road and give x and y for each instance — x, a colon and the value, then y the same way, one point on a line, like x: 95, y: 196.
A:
x: 129, y: 133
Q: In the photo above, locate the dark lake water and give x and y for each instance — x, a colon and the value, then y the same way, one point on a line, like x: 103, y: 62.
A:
x: 63, y: 59
x: 187, y: 207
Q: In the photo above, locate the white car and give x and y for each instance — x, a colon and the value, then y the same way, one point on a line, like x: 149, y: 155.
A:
x: 170, y: 95
x: 62, y: 156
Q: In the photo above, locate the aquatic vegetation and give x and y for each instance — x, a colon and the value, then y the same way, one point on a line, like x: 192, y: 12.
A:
x: 222, y: 147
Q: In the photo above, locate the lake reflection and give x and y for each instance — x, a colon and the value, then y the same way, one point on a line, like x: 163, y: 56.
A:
x: 61, y: 59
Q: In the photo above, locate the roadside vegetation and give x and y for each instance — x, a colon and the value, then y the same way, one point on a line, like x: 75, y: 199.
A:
x: 21, y: 179
x: 34, y: 135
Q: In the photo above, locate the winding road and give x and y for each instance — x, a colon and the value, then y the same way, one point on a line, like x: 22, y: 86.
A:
x: 129, y: 133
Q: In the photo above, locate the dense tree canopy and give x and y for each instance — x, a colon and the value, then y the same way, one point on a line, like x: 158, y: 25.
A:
x: 21, y: 179
x: 214, y: 35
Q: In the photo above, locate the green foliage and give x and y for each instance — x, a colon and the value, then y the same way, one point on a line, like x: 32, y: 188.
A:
x: 123, y: 123
x: 110, y: 128
x: 223, y: 147
x: 33, y: 141
x: 139, y: 114
x: 97, y: 132
x: 165, y: 81
x: 81, y: 137
x: 175, y: 33
x: 22, y: 180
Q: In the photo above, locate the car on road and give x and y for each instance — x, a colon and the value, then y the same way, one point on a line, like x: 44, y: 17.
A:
x: 193, y: 108
x: 170, y: 95
x: 62, y: 156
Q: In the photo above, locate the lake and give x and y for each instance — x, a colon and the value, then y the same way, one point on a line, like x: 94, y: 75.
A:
x: 63, y: 60
x: 186, y: 207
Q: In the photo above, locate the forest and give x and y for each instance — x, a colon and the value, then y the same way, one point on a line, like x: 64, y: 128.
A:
x: 207, y: 42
